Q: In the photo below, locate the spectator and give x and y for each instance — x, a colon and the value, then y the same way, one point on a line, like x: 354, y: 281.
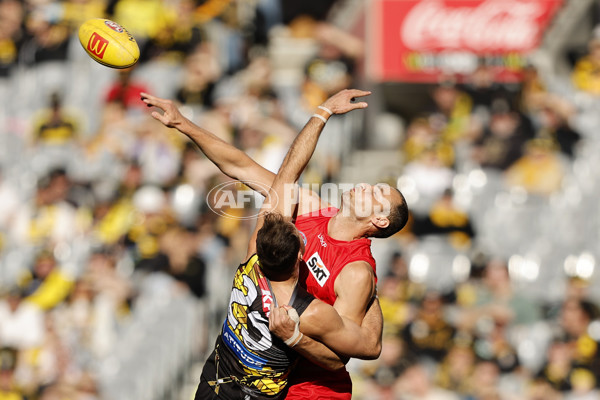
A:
x: 585, y: 73
x: 8, y: 363
x: 574, y: 320
x: 430, y: 175
x: 539, y: 171
x: 558, y: 366
x: 554, y: 126
x: 22, y: 322
x: 455, y: 370
x: 503, y: 139
x: 48, y: 218
x: 47, y: 39
x: 55, y: 126
x: 201, y: 72
x: 416, y: 383
x: 180, y: 248
x: 445, y: 218
x: 451, y: 110
x: 429, y: 335
x: 495, y: 297
x: 421, y: 137
x: 46, y: 285
x: 126, y: 90
x: 10, y: 30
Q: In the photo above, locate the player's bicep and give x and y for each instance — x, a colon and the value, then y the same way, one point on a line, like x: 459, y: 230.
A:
x: 354, y: 289
x: 324, y: 324
x: 253, y: 175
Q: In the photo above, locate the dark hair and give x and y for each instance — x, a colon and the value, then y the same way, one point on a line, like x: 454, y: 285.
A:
x: 277, y: 246
x: 398, y: 217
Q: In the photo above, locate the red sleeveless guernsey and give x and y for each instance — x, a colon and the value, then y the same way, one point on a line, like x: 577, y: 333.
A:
x: 324, y: 258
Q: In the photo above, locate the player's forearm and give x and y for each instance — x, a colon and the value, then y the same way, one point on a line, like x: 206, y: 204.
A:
x: 232, y: 161
x: 372, y: 330
x: 352, y: 340
x: 301, y: 151
x: 319, y: 354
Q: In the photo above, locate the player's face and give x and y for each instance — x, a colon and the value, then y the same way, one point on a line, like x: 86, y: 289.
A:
x: 365, y: 201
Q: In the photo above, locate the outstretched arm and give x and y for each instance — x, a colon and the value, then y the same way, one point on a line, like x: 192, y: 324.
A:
x: 232, y: 161
x: 298, y: 157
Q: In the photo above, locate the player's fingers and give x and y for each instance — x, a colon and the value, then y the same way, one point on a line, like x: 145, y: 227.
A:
x: 153, y: 100
x: 158, y: 116
x: 352, y: 93
x: 362, y: 104
x: 147, y: 98
x: 275, y: 315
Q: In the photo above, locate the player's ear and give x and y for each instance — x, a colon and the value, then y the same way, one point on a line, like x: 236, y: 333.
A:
x: 380, y: 221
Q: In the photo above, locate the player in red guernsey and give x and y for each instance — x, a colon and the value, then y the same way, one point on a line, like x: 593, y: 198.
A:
x: 339, y: 267
x: 324, y: 259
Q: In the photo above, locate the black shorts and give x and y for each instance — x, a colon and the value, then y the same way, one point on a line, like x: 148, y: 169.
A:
x: 209, y: 373
x: 227, y: 391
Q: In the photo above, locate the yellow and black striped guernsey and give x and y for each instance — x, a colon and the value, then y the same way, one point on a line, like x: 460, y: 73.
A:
x: 249, y: 362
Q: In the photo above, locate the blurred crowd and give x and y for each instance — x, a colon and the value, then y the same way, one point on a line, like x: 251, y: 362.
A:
x: 482, y: 334
x: 95, y: 201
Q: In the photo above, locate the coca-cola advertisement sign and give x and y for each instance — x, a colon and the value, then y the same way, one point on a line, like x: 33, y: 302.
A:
x: 417, y: 40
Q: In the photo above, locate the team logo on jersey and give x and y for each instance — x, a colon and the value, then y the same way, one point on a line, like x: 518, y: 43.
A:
x: 318, y: 269
x: 322, y: 240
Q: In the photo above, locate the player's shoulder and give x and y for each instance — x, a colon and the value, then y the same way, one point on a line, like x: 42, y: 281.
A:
x: 357, y: 270
x: 357, y: 274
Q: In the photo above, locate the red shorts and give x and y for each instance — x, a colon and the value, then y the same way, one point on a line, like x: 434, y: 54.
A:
x: 309, y: 381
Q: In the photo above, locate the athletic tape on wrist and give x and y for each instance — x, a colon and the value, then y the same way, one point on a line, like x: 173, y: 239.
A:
x: 293, y: 314
x: 301, y: 336
x: 322, y: 118
x: 325, y: 109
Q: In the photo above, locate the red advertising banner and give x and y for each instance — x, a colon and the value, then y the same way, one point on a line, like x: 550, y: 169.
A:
x: 419, y: 40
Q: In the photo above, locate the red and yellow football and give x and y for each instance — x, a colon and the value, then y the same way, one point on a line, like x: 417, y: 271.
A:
x: 109, y: 43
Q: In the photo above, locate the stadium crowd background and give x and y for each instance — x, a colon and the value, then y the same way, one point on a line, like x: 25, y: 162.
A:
x: 114, y: 271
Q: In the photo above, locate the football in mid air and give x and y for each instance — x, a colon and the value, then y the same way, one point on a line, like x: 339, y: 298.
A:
x: 109, y: 43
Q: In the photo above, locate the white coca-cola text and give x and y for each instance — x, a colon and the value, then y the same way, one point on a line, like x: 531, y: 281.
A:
x: 504, y: 25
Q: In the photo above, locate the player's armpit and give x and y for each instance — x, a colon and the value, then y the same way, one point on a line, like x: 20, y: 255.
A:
x: 310, y: 202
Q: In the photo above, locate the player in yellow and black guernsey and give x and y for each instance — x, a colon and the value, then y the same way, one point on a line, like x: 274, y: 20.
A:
x: 247, y: 357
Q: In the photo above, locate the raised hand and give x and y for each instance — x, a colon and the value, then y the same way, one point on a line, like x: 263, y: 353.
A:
x: 171, y: 115
x: 341, y: 102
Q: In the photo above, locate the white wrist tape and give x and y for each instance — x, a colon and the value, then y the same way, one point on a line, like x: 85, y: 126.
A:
x: 322, y: 118
x: 299, y: 339
x: 325, y: 109
x: 293, y: 314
